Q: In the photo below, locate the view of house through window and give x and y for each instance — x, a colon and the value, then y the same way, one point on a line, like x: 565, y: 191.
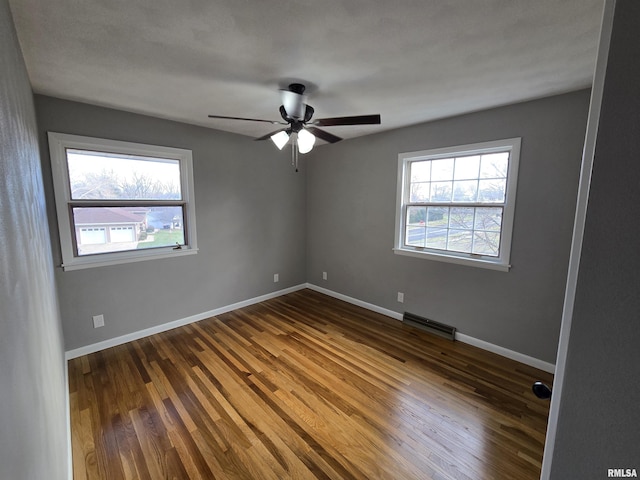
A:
x: 112, y: 229
x: 120, y: 202
x: 100, y: 177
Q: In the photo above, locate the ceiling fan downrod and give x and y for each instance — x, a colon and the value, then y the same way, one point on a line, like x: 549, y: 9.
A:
x: 294, y: 155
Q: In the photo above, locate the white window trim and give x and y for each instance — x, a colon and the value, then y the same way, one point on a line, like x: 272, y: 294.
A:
x: 59, y: 143
x: 500, y: 263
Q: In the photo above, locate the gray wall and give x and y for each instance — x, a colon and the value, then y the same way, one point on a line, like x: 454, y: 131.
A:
x: 33, y: 429
x: 351, y: 202
x: 253, y: 209
x: 250, y: 210
x: 599, y: 416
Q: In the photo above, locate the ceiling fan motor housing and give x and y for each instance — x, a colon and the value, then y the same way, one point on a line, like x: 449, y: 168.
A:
x: 294, y: 102
x: 308, y: 113
x: 297, y: 88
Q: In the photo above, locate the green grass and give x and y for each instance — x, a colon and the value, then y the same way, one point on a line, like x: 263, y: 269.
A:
x: 163, y: 238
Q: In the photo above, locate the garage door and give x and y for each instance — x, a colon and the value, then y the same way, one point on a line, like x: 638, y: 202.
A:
x: 92, y: 236
x: 121, y: 234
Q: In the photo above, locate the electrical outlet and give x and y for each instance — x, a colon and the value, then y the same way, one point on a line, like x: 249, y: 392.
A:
x: 98, y: 321
x: 400, y: 297
x: 324, y: 275
x: 276, y: 277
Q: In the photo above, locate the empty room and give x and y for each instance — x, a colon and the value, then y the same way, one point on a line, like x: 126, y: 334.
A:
x: 332, y: 240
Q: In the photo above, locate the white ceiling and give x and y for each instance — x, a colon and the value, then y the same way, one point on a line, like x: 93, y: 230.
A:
x: 409, y: 60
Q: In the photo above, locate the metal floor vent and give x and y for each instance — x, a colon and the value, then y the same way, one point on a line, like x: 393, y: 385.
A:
x: 430, y: 326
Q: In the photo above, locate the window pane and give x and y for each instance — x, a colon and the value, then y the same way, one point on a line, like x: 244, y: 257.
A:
x: 437, y: 238
x: 465, y: 191
x: 460, y: 241
x: 416, y: 215
x: 492, y: 190
x: 466, y: 168
x: 116, y: 229
x: 488, y: 219
x: 415, y: 236
x: 494, y: 165
x: 106, y: 176
x: 438, y: 217
x: 441, y: 191
x: 461, y: 218
x: 420, y: 171
x: 419, y: 192
x: 487, y: 243
x: 437, y: 227
x: 442, y: 169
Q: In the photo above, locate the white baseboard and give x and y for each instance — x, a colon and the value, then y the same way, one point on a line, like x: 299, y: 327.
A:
x: 505, y: 352
x: 355, y: 301
x: 476, y: 342
x: 112, y: 342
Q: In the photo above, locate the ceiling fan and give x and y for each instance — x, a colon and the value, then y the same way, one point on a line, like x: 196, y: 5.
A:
x: 299, y: 129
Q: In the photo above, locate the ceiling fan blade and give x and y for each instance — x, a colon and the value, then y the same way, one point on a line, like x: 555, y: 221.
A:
x: 326, y: 136
x: 293, y: 103
x: 269, y: 135
x: 356, y: 120
x: 274, y: 122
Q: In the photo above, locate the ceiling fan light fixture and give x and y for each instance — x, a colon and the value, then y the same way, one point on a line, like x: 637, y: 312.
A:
x: 306, y: 140
x: 300, y: 131
x: 280, y: 139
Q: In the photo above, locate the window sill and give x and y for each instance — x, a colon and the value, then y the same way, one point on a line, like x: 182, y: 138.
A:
x: 92, y: 261
x: 471, y: 262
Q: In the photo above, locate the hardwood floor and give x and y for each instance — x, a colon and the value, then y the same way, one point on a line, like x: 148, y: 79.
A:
x: 303, y: 386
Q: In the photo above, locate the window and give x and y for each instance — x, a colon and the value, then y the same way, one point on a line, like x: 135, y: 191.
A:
x: 120, y: 202
x: 457, y: 204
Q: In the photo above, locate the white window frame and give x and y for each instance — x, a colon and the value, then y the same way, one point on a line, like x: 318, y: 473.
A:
x: 501, y: 263
x: 58, y: 145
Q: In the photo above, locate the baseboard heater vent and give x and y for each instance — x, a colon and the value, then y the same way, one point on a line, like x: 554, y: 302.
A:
x: 430, y: 326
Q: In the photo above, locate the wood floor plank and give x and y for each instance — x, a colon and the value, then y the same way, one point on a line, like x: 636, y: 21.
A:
x: 303, y: 386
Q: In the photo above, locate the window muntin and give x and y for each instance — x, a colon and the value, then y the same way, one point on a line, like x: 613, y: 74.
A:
x: 456, y: 204
x: 119, y: 202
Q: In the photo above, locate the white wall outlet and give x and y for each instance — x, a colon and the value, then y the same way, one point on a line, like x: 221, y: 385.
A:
x: 400, y: 297
x: 324, y: 275
x: 98, y: 321
x: 276, y: 277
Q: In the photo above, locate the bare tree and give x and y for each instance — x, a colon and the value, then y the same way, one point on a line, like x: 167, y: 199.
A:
x: 103, y: 185
x: 107, y: 185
